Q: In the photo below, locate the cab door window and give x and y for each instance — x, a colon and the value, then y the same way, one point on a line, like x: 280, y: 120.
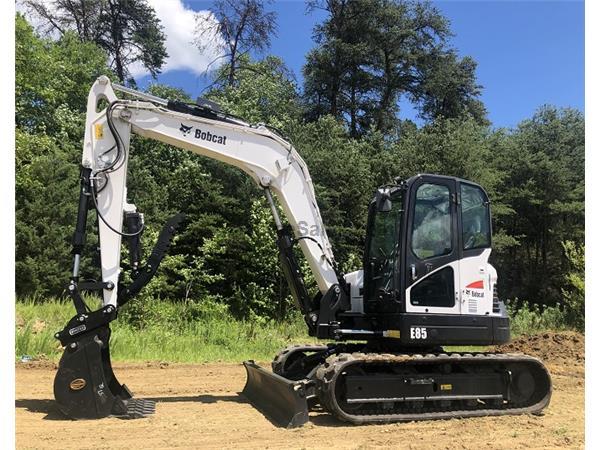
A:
x: 435, y: 290
x: 382, y: 249
x: 432, y: 222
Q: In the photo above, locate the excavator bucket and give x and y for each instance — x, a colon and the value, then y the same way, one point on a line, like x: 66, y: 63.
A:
x: 85, y: 386
x: 283, y: 401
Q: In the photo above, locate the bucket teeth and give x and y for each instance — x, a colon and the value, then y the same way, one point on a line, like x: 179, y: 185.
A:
x: 138, y: 408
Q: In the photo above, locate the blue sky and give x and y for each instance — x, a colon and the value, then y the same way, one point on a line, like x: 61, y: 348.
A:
x: 528, y: 53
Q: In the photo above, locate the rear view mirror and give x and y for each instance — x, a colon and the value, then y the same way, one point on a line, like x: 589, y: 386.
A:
x: 383, y: 200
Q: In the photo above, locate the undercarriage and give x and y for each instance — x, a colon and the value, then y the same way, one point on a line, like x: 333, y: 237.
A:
x: 359, y: 386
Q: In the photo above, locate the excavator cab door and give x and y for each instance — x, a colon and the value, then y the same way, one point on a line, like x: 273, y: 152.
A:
x: 383, y: 250
x: 432, y: 269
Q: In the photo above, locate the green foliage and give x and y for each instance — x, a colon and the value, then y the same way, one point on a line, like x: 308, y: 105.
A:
x: 225, y: 260
x: 265, y: 92
x: 45, y: 176
x: 128, y: 30
x: 145, y: 312
x: 52, y: 79
x: 161, y: 331
x: 371, y: 53
x: 460, y: 148
x: 532, y: 319
x: 51, y: 83
x: 263, y: 295
x: 341, y: 170
x: 542, y: 168
x: 574, y: 292
x: 450, y: 89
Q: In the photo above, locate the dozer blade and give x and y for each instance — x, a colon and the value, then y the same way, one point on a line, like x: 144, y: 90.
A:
x: 283, y: 401
x: 85, y: 386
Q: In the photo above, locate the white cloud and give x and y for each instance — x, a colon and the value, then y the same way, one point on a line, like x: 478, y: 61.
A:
x: 179, y: 24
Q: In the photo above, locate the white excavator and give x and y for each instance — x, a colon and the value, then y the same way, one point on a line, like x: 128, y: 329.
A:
x: 425, y: 283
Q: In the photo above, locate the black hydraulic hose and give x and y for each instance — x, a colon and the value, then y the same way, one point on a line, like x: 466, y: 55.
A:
x: 122, y: 156
x: 119, y: 145
x: 331, y: 263
x: 106, y: 222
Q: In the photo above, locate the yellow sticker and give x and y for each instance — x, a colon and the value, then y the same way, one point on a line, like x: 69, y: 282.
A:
x: 392, y: 334
x: 99, y: 131
x: 445, y: 387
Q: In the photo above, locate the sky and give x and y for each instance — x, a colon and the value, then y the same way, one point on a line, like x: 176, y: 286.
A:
x: 529, y: 53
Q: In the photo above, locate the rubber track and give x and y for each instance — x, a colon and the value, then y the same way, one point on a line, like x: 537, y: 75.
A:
x: 329, y: 372
x: 280, y: 359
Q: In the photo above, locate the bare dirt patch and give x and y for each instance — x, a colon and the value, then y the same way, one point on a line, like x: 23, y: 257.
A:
x: 199, y: 406
x: 555, y: 348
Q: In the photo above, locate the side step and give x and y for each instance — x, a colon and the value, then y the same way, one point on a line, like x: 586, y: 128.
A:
x: 283, y: 401
x: 85, y: 386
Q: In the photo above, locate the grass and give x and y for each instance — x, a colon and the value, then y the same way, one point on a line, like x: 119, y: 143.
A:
x: 526, y: 320
x: 209, y: 337
x: 204, y: 331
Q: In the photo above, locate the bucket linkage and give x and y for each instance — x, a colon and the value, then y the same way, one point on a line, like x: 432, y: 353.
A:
x: 85, y: 386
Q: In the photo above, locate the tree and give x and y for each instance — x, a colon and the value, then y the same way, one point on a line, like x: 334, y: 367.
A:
x: 542, y: 163
x: 52, y: 78
x: 242, y: 26
x: 340, y: 168
x: 372, y: 52
x: 265, y: 92
x: 51, y: 83
x: 128, y: 30
x: 449, y: 88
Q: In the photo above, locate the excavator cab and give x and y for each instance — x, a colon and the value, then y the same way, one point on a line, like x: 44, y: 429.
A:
x: 426, y: 278
x: 426, y: 264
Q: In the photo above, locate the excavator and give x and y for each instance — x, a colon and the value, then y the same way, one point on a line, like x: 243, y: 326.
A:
x: 425, y: 283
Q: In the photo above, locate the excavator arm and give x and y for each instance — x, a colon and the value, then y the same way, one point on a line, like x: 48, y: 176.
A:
x: 272, y: 162
x: 268, y: 158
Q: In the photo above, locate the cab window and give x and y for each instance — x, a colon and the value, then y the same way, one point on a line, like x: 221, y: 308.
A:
x: 436, y: 289
x: 475, y: 217
x: 432, y: 222
x: 382, y: 249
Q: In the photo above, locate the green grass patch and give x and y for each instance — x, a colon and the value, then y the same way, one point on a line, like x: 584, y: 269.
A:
x: 174, y: 332
x: 204, y: 331
x: 528, y: 320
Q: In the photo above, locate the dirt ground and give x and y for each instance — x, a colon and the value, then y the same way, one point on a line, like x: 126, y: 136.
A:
x: 199, y: 406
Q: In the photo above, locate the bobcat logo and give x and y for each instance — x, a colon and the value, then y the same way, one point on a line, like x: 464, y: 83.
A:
x: 185, y: 130
x: 203, y: 135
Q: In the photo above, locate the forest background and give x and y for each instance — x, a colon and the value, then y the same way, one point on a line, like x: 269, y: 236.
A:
x: 345, y: 121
